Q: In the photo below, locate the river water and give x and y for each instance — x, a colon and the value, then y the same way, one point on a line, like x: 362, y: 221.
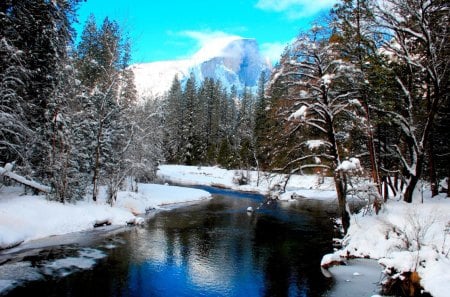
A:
x: 212, y: 248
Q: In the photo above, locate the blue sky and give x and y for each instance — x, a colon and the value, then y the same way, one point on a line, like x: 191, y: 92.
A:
x: 176, y: 29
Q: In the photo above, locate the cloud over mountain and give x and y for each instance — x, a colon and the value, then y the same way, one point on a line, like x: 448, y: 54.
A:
x: 231, y: 59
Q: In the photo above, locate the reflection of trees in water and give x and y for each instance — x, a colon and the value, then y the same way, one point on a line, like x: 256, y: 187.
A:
x: 289, y: 250
x: 268, y: 244
x: 275, y: 251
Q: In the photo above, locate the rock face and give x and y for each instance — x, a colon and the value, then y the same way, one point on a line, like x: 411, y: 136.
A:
x: 232, y: 60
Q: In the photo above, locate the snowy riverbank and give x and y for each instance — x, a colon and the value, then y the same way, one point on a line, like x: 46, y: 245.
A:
x: 409, y: 240
x: 26, y: 217
x: 307, y: 186
x: 402, y: 237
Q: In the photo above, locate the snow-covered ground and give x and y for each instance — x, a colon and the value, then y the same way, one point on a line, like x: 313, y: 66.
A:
x: 25, y: 217
x: 404, y: 237
x: 307, y: 186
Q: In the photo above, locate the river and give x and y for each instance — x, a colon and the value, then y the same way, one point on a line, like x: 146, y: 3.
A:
x: 211, y: 248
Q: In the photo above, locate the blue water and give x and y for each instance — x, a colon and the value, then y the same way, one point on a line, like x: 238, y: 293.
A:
x: 214, y: 248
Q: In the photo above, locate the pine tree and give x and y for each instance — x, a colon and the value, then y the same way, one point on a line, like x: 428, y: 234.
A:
x: 35, y: 77
x: 245, y: 129
x: 190, y: 143
x: 174, y: 121
x: 261, y: 120
x: 32, y: 53
x: 109, y: 92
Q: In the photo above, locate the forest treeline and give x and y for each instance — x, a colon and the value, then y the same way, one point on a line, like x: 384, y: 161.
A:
x: 367, y: 86
x: 68, y: 113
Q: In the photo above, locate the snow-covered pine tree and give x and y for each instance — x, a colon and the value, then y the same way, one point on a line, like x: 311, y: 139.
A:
x: 209, y: 97
x: 101, y: 55
x: 245, y: 129
x: 262, y: 122
x: 174, y: 120
x: 35, y: 35
x: 14, y: 130
x: 189, y: 149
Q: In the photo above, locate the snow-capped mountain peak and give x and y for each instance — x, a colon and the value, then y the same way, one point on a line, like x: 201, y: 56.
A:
x: 233, y: 60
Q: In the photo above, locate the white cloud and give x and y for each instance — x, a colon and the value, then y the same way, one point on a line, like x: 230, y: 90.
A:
x: 295, y: 9
x: 273, y: 51
x: 205, y: 37
x: 209, y: 43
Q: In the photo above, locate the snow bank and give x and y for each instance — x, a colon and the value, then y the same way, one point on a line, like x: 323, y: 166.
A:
x: 405, y: 237
x: 151, y: 196
x: 309, y: 186
x: 24, y: 218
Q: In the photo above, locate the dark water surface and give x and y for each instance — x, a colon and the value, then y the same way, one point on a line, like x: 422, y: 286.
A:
x: 214, y: 248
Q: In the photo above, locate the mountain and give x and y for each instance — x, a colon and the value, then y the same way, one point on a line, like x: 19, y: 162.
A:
x: 232, y: 60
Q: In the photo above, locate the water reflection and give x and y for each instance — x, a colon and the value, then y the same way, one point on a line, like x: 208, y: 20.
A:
x: 211, y: 249
x: 218, y: 250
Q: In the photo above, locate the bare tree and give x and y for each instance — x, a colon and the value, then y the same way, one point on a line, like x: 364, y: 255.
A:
x: 416, y: 35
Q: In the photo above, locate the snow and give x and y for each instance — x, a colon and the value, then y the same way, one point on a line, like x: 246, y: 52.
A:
x: 350, y: 165
x: 8, y: 168
x: 330, y: 258
x: 354, y: 102
x: 299, y: 114
x: 155, y: 79
x: 314, y: 143
x: 307, y: 186
x: 327, y: 79
x: 405, y: 237
x: 10, y: 271
x: 6, y: 171
x: 25, y: 218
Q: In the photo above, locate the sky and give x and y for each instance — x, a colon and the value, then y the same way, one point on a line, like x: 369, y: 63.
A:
x: 176, y: 29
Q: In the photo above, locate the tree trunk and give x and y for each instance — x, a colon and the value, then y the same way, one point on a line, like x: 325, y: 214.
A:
x: 373, y: 160
x: 97, y: 163
x: 432, y: 170
x: 96, y: 172
x: 342, y: 201
x: 413, y: 180
x: 448, y: 182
